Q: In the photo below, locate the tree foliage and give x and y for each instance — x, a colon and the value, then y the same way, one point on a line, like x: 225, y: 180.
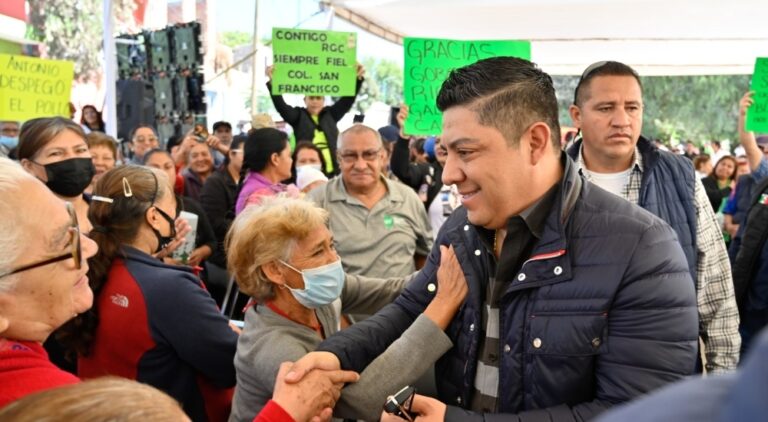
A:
x: 699, y: 108
x: 236, y: 38
x: 383, y: 82
x: 678, y: 108
x: 72, y: 30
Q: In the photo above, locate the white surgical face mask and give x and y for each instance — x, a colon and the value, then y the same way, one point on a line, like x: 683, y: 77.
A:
x: 322, y: 285
x: 317, y: 167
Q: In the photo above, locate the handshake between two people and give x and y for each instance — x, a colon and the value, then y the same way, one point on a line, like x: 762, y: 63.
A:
x: 309, y: 388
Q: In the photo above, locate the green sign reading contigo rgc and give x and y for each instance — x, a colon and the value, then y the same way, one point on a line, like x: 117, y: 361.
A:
x: 314, y: 62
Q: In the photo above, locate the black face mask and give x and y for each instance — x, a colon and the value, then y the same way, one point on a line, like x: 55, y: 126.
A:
x: 69, y: 178
x: 163, y: 241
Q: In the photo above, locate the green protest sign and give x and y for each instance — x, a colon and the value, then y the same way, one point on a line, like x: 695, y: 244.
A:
x: 429, y: 61
x: 757, y: 114
x: 32, y: 87
x: 314, y: 62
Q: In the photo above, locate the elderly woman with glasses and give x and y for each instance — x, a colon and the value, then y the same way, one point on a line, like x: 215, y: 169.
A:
x: 43, y: 281
x: 152, y: 322
x: 281, y: 254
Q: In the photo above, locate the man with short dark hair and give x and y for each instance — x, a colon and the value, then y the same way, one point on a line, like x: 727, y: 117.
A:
x: 578, y: 300
x: 608, y: 109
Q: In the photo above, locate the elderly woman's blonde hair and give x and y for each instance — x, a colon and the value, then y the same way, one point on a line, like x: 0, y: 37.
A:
x: 265, y: 233
x: 99, y: 400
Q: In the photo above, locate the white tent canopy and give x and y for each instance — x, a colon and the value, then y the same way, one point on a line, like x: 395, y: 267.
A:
x: 657, y: 37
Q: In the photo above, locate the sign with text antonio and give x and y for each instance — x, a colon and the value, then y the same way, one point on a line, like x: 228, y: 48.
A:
x: 757, y: 114
x: 32, y: 87
x: 428, y: 63
x: 316, y: 63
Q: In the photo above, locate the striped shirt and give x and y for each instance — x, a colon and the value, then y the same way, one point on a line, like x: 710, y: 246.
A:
x: 523, y: 231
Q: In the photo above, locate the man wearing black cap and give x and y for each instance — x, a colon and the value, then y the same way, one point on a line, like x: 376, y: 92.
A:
x: 608, y: 110
x: 223, y: 131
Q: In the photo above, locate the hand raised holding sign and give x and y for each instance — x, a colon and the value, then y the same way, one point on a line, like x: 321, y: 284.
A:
x: 268, y: 71
x: 402, y: 116
x: 745, y: 102
x: 360, y: 71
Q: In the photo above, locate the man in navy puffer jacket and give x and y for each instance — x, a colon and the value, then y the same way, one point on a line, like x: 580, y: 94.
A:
x: 578, y: 300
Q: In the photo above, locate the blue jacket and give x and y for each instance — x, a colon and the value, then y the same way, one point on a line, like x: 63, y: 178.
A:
x: 606, y: 291
x: 667, y: 190
x: 732, y: 397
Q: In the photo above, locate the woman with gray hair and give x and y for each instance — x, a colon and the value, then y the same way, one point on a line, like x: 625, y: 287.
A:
x: 43, y: 281
x: 281, y: 253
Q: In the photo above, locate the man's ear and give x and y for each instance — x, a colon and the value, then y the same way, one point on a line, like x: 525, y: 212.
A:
x: 538, y: 137
x: 274, y: 272
x: 575, y: 113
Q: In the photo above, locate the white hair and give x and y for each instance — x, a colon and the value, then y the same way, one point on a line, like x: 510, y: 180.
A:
x: 11, y: 236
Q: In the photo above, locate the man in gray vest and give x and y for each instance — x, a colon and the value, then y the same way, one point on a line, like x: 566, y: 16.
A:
x: 608, y: 109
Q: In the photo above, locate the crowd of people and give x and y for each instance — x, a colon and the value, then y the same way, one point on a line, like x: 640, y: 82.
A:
x: 509, y: 275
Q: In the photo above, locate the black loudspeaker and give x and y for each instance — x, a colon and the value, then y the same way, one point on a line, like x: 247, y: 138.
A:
x: 135, y: 106
x: 131, y: 56
x: 186, y: 46
x: 393, y: 111
x: 163, y: 96
x: 196, y: 93
x: 158, y: 50
x: 180, y: 95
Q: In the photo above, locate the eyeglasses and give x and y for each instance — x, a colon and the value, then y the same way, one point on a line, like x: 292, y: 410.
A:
x: 143, y: 140
x: 349, y: 157
x: 75, y: 253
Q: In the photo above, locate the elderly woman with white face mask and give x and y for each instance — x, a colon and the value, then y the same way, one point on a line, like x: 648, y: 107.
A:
x: 282, y: 255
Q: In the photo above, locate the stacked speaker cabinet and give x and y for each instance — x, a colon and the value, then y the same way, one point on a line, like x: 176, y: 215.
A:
x: 160, y: 77
x: 135, y: 105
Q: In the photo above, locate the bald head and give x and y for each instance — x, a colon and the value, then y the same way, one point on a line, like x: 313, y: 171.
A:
x: 360, y: 129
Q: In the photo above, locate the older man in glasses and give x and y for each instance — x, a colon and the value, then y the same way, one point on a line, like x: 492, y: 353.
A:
x: 608, y: 109
x: 43, y: 281
x: 381, y: 228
